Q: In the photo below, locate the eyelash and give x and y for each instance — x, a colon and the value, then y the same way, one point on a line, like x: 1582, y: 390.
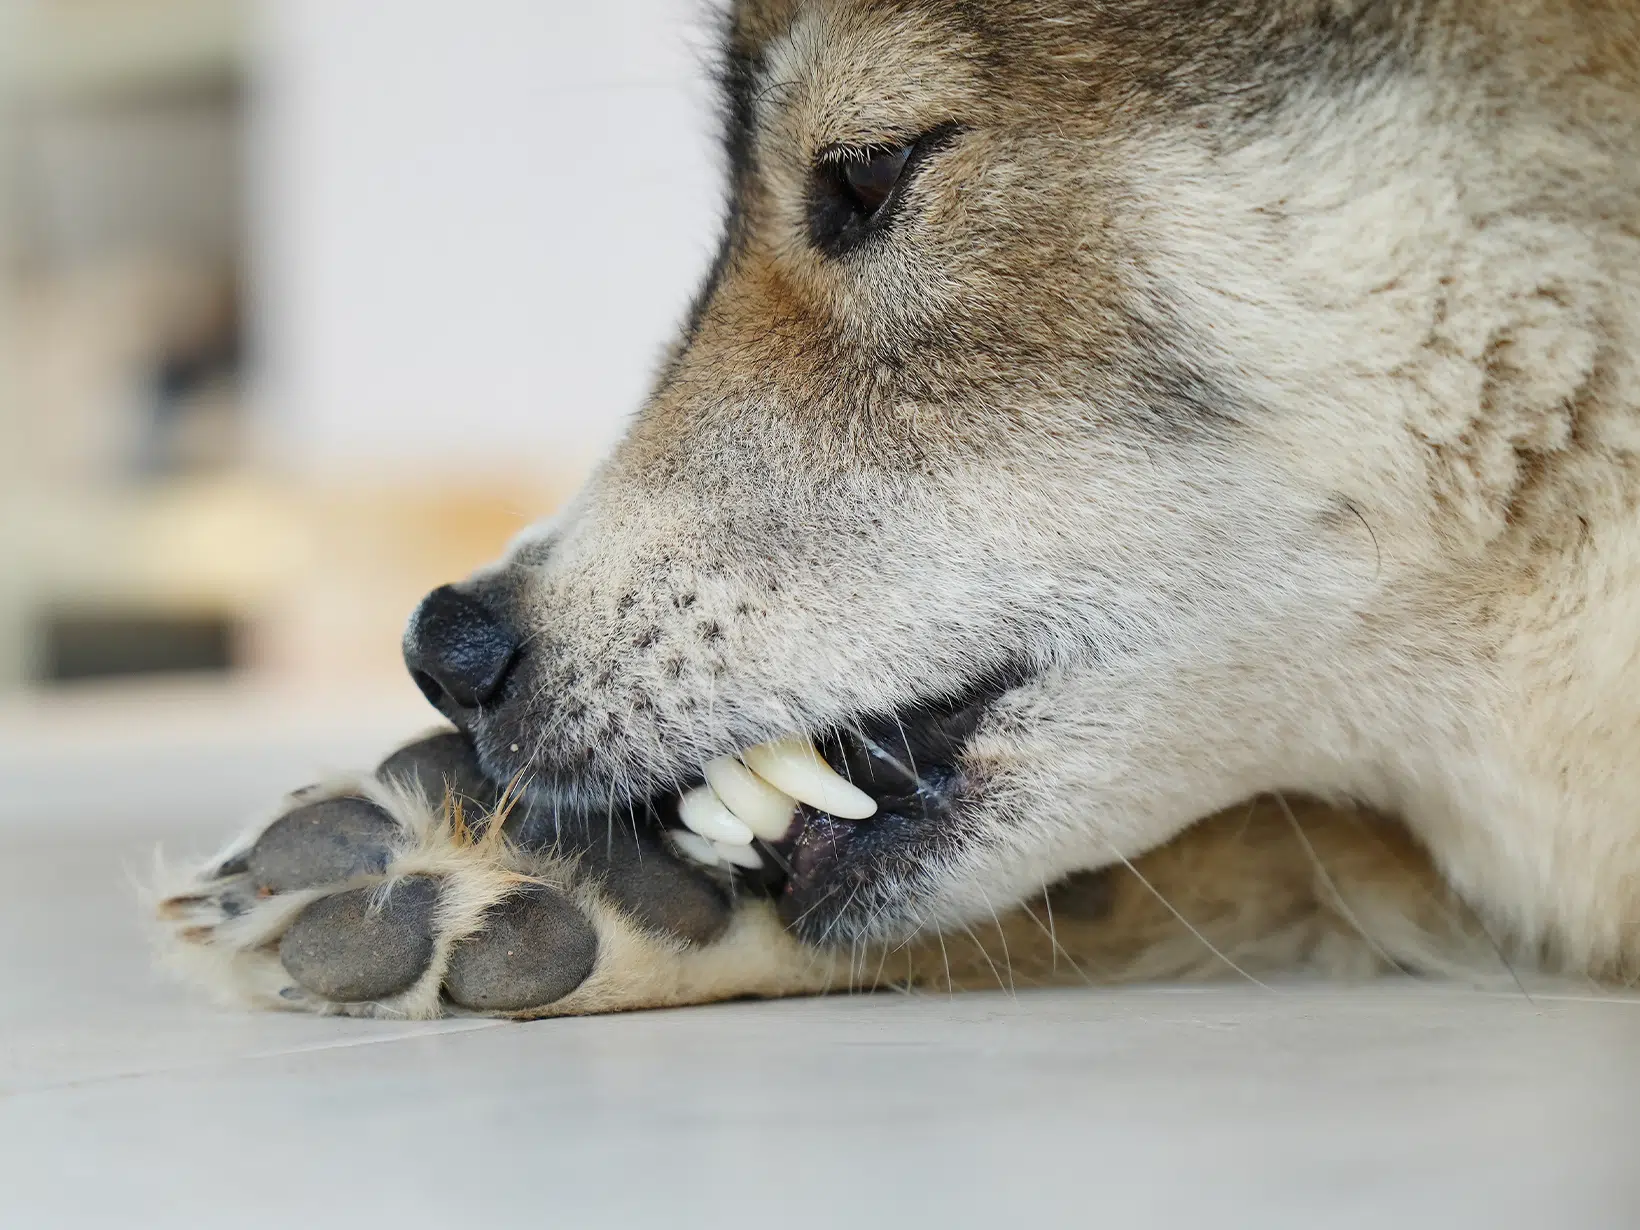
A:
x: 854, y: 194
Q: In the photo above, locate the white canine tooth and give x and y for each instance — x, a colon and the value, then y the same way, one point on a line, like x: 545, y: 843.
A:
x: 695, y: 847
x: 755, y: 803
x: 704, y: 812
x: 740, y: 856
x: 792, y: 764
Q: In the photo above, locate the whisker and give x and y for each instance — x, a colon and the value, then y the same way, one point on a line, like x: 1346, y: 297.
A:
x: 882, y: 963
x: 877, y: 748
x: 1056, y: 947
x: 1053, y: 931
x: 1002, y: 938
x: 1332, y: 887
x: 905, y: 741
x: 763, y: 94
x: 1188, y: 925
x: 773, y: 855
x: 950, y: 983
x: 1453, y: 915
x: 986, y: 953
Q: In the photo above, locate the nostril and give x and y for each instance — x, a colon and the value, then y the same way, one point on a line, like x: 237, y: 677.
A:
x: 457, y: 649
x: 429, y: 687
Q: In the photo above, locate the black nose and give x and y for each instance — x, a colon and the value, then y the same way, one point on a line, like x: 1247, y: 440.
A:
x: 456, y: 649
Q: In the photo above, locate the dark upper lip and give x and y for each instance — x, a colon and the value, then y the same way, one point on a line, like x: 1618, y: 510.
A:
x: 908, y: 760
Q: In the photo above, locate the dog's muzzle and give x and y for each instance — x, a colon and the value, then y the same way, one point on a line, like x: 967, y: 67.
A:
x: 821, y: 823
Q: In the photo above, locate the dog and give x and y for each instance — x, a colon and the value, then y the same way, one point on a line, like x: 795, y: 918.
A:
x: 1178, y: 461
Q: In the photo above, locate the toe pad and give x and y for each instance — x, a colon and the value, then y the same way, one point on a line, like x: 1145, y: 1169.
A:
x: 663, y: 894
x: 363, y: 944
x: 438, y: 765
x: 535, y: 948
x: 322, y: 843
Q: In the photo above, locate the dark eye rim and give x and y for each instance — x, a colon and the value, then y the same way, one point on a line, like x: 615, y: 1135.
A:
x: 839, y: 222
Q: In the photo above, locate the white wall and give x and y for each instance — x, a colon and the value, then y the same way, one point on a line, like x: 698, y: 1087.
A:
x: 476, y: 222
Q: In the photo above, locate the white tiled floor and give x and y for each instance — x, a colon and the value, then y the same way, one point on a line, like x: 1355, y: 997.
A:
x: 123, y: 1102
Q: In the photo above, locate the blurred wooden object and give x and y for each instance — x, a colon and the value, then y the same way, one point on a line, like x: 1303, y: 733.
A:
x: 371, y: 552
x: 318, y: 579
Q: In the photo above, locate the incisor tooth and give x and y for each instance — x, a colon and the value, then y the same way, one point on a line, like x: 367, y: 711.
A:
x: 792, y: 764
x: 740, y: 856
x: 704, y: 812
x: 755, y: 803
x: 695, y: 847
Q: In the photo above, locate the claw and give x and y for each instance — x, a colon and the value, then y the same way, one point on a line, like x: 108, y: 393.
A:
x: 180, y: 907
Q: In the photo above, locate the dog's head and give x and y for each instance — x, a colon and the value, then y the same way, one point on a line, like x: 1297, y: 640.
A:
x: 1081, y: 408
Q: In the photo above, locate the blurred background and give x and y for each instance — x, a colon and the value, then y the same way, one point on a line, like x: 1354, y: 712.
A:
x: 305, y: 307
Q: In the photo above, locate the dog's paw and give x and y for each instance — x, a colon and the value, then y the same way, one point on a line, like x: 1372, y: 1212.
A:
x: 416, y: 892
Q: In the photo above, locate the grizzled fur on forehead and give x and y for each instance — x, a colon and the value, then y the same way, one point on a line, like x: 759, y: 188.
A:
x: 1001, y: 67
x: 1242, y: 59
x: 1094, y: 58
x: 1099, y: 71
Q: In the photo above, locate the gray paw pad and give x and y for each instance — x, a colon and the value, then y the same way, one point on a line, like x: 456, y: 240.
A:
x: 320, y: 844
x: 363, y: 944
x: 535, y: 948
x: 440, y: 764
x: 662, y: 894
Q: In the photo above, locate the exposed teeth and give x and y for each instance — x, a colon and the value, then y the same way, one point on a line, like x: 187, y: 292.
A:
x: 740, y: 856
x: 706, y: 814
x: 756, y: 796
x: 793, y: 765
x: 695, y: 847
x: 698, y: 849
x: 756, y: 804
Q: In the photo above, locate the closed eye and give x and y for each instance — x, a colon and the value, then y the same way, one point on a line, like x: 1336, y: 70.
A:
x: 855, y: 192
